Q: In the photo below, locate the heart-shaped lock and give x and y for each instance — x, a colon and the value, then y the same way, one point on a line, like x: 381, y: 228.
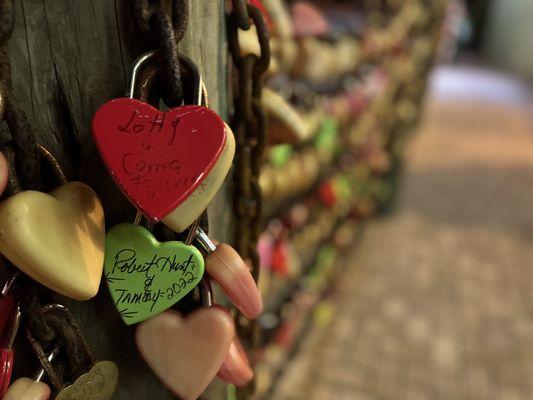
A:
x: 80, y: 376
x: 191, y: 208
x: 56, y: 238
x: 144, y: 276
x: 30, y: 389
x: 97, y: 384
x: 226, y: 267
x: 186, y: 352
x: 158, y: 158
x: 27, y: 389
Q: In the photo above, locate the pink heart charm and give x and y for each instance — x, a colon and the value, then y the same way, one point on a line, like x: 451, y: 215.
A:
x: 186, y: 352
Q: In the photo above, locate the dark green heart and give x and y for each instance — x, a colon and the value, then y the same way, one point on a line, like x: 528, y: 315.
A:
x: 146, y: 277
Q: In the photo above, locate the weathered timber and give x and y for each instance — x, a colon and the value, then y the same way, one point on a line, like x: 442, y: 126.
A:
x: 68, y: 57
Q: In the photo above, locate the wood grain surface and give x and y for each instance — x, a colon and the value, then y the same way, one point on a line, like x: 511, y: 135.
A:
x: 68, y: 57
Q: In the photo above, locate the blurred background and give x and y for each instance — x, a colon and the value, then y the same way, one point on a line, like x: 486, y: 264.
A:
x: 397, y: 248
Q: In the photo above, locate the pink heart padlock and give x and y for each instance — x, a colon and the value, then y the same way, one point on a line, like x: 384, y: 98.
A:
x: 236, y: 368
x: 226, y: 267
x: 186, y: 352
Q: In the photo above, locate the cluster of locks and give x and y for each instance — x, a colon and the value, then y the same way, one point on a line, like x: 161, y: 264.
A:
x: 322, y: 107
x: 343, y: 91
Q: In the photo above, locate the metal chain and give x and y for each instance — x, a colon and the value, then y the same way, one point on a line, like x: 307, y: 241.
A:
x: 24, y: 155
x: 165, y: 32
x: 248, y: 124
x: 23, y: 172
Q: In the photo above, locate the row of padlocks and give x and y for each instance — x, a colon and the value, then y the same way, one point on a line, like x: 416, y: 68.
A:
x: 343, y: 91
x: 322, y: 96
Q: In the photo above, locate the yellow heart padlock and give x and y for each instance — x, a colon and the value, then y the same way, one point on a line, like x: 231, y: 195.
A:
x: 56, y: 238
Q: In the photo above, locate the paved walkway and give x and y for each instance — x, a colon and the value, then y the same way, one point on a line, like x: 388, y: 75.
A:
x: 439, y: 302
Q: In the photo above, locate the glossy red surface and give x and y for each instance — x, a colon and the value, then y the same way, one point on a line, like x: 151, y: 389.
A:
x: 157, y: 158
x: 6, y: 368
x: 8, y: 307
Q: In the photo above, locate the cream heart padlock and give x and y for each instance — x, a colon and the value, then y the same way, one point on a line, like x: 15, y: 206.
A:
x: 88, y: 386
x: 56, y: 238
x: 170, y: 164
x: 31, y: 389
x: 186, y: 352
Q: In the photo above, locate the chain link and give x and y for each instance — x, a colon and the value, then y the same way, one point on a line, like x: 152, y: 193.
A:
x: 165, y: 32
x: 248, y: 124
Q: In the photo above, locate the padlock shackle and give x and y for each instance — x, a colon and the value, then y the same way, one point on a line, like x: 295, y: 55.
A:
x: 40, y: 374
x: 137, y: 65
x: 204, y: 241
x: 200, y: 95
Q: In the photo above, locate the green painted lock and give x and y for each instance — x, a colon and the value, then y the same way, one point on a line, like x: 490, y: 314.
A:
x: 280, y: 154
x: 146, y: 277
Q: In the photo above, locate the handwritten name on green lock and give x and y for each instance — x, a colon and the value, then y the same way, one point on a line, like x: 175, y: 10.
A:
x: 146, y: 277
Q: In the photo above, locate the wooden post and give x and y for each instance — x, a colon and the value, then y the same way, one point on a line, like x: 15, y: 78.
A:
x: 68, y: 57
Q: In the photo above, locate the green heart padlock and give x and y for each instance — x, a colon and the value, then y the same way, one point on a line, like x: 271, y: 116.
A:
x: 146, y: 277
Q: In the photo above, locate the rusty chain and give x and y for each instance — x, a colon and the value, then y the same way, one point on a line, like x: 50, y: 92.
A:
x: 248, y: 124
x: 24, y: 156
x: 165, y: 32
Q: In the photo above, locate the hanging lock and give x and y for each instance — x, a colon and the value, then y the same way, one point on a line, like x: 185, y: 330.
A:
x: 169, y: 163
x: 187, y: 352
x: 90, y: 379
x: 226, y: 267
x: 9, y: 325
x: 144, y: 276
x: 56, y: 238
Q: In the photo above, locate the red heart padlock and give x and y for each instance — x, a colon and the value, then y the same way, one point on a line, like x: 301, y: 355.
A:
x: 8, y: 308
x: 6, y: 368
x: 158, y: 158
x: 9, y: 322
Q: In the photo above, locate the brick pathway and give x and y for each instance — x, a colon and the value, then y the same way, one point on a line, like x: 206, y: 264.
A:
x: 438, y: 304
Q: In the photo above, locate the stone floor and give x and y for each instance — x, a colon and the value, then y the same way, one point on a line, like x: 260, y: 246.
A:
x: 438, y: 303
